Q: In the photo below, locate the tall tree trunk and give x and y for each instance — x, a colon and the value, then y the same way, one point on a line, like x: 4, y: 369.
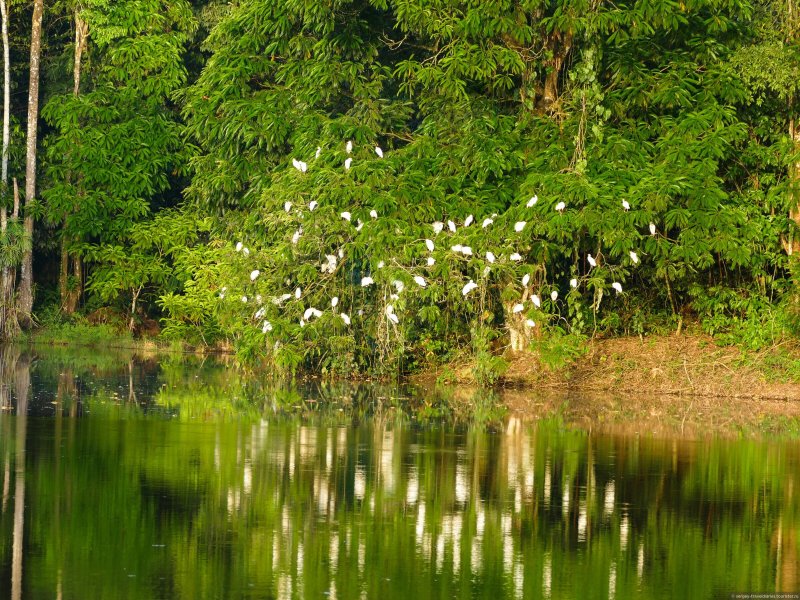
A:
x: 71, y: 289
x: 8, y: 320
x: 26, y: 272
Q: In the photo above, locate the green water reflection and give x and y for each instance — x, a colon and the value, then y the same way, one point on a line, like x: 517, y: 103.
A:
x: 156, y: 480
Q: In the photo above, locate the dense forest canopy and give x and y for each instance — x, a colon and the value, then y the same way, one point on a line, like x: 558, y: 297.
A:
x: 374, y: 185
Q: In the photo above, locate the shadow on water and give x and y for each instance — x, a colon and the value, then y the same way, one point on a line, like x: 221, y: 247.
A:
x: 128, y: 478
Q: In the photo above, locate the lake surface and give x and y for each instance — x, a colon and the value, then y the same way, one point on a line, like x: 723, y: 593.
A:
x: 130, y: 478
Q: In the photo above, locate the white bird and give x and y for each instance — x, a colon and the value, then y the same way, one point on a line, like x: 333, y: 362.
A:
x: 394, y: 297
x: 560, y: 207
x: 334, y: 301
x: 515, y: 257
x: 312, y: 205
x: 373, y: 213
x: 420, y: 281
x: 302, y: 323
x: 429, y: 244
x: 381, y: 264
x: 534, y: 199
x: 360, y: 225
x: 389, y: 309
x: 348, y: 147
x: 519, y: 226
x: 626, y: 205
x: 486, y: 222
x: 554, y: 295
x: 244, y: 299
x: 221, y: 295
x: 287, y: 206
x: 393, y: 318
x: 254, y: 274
x: 617, y: 286
x: 347, y: 164
x: 526, y: 279
x: 466, y: 250
x: 346, y: 318
x: 573, y: 283
x: 239, y: 246
x: 267, y: 326
x: 246, y: 251
x: 471, y: 285
x: 346, y: 215
x: 451, y: 226
x: 518, y: 308
x: 437, y: 227
x: 536, y: 300
x: 652, y: 228
x: 431, y: 261
x: 366, y: 281
x: 590, y: 259
x: 311, y: 312
x: 399, y: 286
x: 341, y: 253
x: 456, y: 248
x: 530, y: 323
x: 297, y: 293
x: 318, y: 152
x: 490, y: 257
x: 296, y: 163
x: 378, y: 151
x: 280, y: 300
x: 296, y: 237
x: 486, y: 271
x: 468, y: 221
x: 634, y: 257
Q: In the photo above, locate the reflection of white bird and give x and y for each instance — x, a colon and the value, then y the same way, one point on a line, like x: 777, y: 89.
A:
x: 626, y: 205
x: 554, y: 295
x: 334, y: 301
x: 348, y: 147
x: 345, y: 318
x: 366, y: 281
x: 437, y: 227
x: 346, y: 215
x: 652, y: 228
x: 490, y: 257
x: 518, y: 308
x: 534, y: 199
x: 634, y: 257
x: 573, y: 283
x: 468, y: 221
x: 560, y: 207
x: 373, y: 213
x: 451, y: 226
x: 378, y: 151
x: 515, y: 257
x: 592, y: 262
x: 519, y: 226
x: 536, y: 300
x: 429, y: 244
x: 617, y: 286
x: 486, y: 222
x: 420, y: 281
x: 347, y: 164
x: 471, y: 285
x: 254, y: 274
x: 526, y: 279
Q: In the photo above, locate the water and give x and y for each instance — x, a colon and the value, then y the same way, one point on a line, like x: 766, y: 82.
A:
x: 124, y: 478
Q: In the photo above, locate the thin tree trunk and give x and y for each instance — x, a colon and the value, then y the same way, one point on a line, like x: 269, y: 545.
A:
x: 71, y: 290
x: 8, y: 322
x: 26, y: 272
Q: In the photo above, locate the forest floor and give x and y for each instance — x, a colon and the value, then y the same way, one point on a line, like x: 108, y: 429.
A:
x: 659, y: 384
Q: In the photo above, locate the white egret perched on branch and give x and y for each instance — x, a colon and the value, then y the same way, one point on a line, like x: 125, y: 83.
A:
x: 346, y: 318
x: 617, y: 286
x: 348, y: 147
x: 626, y: 205
x: 518, y: 308
x: 516, y: 257
x: 373, y: 213
x: 239, y: 246
x: 267, y: 326
x: 560, y: 207
x: 318, y: 152
x: 297, y: 293
x: 451, y: 226
x: 634, y: 256
x: 526, y: 279
x: 652, y: 228
x: 486, y: 222
x: 456, y: 248
x: 244, y: 299
x: 466, y: 250
x: 347, y: 164
x: 420, y: 281
x: 254, y: 274
x: 334, y: 301
x: 590, y: 259
x: 246, y: 251
x: 537, y: 302
x: 287, y: 206
x: 490, y: 257
x: 471, y: 285
x: 312, y: 205
x: 468, y: 221
x: 296, y: 236
x: 530, y: 323
x: 378, y: 151
x: 367, y: 281
x: 393, y: 318
x: 554, y: 295
x: 429, y: 244
x: 534, y: 199
x: 431, y: 261
x: 345, y: 215
x: 519, y: 226
x: 437, y: 227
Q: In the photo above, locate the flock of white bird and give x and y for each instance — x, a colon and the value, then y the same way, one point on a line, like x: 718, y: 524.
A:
x: 331, y: 261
